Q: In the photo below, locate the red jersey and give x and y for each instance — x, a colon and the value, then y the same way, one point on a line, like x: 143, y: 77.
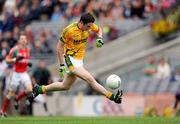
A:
x: 20, y: 66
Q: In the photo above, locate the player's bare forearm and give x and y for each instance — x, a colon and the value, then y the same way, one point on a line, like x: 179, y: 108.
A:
x: 100, y: 33
x: 60, y: 52
x: 9, y: 60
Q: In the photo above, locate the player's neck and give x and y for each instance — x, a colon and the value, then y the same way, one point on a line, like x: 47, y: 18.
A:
x: 79, y: 25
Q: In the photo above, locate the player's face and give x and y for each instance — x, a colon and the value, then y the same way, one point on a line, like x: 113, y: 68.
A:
x: 87, y: 26
x: 23, y: 40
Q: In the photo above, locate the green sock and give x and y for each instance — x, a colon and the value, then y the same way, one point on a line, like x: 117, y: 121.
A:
x: 41, y: 89
x: 112, y: 97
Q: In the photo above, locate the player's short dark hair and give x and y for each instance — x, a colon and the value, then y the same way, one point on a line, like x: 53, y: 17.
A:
x: 87, y: 18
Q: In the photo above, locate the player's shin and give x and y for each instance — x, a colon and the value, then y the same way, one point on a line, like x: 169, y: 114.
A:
x: 21, y: 95
x: 5, y: 104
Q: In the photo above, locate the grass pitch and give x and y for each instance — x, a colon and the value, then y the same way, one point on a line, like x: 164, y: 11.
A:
x: 89, y: 120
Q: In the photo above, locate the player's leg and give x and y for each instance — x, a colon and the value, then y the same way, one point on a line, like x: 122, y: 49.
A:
x: 41, y: 99
x: 64, y: 85
x: 25, y: 79
x: 13, y: 85
x: 57, y: 86
x: 85, y: 75
x: 10, y: 94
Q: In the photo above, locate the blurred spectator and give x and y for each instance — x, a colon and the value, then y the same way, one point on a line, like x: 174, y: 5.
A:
x: 149, y: 7
x: 30, y: 35
x: 117, y: 10
x: 42, y: 45
x: 163, y: 69
x: 45, y: 43
x: 8, y: 36
x: 34, y: 11
x: 6, y: 22
x: 150, y: 68
x: 76, y: 10
x: 42, y: 76
x: 20, y: 16
x: 1, y: 5
x: 57, y: 14
x: 113, y: 33
x: 46, y: 9
x: 138, y: 9
x: 16, y: 32
x: 4, y: 49
x: 175, y: 76
x: 177, y: 99
x: 127, y: 8
x: 3, y: 66
x: 10, y: 5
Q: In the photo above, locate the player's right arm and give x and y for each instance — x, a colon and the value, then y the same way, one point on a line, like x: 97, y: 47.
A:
x: 60, y: 46
x: 12, y: 57
x: 60, y: 51
x: 9, y: 57
x: 62, y: 68
x: 9, y: 60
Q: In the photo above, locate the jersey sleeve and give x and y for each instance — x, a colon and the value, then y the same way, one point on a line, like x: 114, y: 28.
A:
x: 12, y: 53
x: 65, y: 35
x: 94, y: 28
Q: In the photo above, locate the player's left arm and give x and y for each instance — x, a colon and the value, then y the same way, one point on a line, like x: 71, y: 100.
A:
x: 99, y: 32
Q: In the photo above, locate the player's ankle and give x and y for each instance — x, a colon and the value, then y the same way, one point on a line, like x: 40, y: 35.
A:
x: 110, y: 95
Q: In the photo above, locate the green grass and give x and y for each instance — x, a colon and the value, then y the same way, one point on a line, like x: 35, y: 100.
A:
x: 89, y: 120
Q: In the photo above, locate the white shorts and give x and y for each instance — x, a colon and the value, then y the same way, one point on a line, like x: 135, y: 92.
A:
x: 19, y: 78
x: 75, y: 62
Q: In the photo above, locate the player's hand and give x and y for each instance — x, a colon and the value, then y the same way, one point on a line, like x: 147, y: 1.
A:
x: 99, y: 42
x: 18, y: 58
x: 62, y: 70
x: 29, y: 64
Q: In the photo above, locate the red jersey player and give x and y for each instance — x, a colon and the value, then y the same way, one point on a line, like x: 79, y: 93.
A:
x: 19, y: 57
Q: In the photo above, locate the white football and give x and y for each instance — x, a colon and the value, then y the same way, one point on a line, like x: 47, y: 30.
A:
x: 113, y: 81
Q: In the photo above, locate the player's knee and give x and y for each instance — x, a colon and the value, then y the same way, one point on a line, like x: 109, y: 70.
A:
x: 10, y: 94
x: 29, y: 90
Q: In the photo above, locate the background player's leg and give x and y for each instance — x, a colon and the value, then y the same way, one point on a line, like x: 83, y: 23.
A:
x: 13, y: 86
x: 28, y: 86
x: 6, y: 101
x: 41, y: 99
x: 64, y: 85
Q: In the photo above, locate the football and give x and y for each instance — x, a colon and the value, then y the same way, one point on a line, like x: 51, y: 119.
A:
x: 113, y: 81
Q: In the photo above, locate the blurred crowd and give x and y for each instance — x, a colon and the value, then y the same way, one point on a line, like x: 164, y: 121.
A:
x: 161, y: 69
x: 16, y: 15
